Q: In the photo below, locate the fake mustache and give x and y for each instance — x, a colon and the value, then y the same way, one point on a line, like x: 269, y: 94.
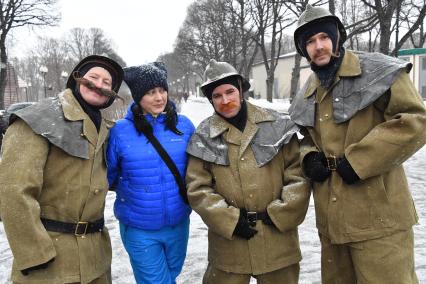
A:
x: 90, y: 85
x: 228, y: 107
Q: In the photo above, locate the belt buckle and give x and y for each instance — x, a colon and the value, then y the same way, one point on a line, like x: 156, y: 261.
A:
x: 77, y: 229
x: 332, y: 163
x: 252, y: 218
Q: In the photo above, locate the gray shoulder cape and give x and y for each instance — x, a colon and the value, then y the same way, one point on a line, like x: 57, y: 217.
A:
x: 352, y: 94
x: 46, y: 118
x: 272, y: 134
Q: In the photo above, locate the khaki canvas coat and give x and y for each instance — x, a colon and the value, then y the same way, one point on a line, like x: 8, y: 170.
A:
x: 216, y: 192
x: 38, y: 179
x: 376, y: 141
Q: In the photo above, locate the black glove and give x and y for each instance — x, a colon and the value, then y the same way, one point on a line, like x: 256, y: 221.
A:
x: 315, y: 166
x: 345, y: 170
x: 243, y: 229
x: 37, y: 267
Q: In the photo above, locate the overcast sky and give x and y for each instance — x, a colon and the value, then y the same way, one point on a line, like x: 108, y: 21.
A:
x: 140, y: 29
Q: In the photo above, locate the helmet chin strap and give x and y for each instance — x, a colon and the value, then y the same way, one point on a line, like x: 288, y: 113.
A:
x: 336, y: 52
x: 240, y: 90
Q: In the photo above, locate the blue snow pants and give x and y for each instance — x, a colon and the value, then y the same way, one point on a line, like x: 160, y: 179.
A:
x: 156, y: 257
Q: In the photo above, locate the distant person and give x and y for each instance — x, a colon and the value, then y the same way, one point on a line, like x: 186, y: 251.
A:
x: 245, y: 181
x: 53, y: 181
x: 3, y: 128
x: 147, y: 164
x: 362, y: 119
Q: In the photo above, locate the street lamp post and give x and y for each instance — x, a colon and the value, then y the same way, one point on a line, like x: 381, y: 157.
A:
x: 197, y: 83
x: 43, y: 70
x: 178, y: 83
x: 64, y: 75
x: 2, y: 66
x: 28, y: 91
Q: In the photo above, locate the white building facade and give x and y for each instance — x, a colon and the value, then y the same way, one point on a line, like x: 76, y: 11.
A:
x: 417, y: 56
x: 282, y: 80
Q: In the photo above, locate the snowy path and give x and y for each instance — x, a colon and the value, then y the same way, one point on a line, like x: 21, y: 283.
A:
x: 196, y: 260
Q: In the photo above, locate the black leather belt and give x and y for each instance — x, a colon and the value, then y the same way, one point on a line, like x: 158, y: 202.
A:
x: 252, y: 217
x: 79, y: 229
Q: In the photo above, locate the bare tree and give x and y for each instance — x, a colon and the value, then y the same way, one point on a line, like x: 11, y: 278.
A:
x: 247, y: 49
x: 85, y: 42
x: 28, y: 69
x: 53, y: 54
x: 412, y: 17
x: 332, y: 6
x: 219, y: 29
x: 209, y: 31
x: 60, y: 55
x: 359, y: 20
x: 388, y: 17
x: 417, y: 39
x: 271, y: 18
x: 19, y: 13
x: 385, y: 12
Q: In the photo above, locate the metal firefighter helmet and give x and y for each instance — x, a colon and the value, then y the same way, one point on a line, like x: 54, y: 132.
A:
x: 314, y: 15
x: 217, y: 71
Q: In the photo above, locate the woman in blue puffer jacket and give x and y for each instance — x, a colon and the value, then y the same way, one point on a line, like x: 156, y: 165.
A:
x: 153, y: 215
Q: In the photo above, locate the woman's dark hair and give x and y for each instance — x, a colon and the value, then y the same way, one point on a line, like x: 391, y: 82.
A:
x: 143, y: 126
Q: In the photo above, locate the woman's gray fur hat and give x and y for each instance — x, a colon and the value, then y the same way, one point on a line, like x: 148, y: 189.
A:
x: 141, y: 79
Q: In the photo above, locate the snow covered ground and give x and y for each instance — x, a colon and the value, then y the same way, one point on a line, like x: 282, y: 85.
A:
x: 197, y: 109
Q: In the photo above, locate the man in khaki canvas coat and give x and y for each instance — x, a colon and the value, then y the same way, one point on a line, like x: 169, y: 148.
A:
x: 245, y: 182
x: 53, y: 181
x: 362, y: 119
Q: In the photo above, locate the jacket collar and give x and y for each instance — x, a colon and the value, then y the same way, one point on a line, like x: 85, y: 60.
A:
x: 350, y: 67
x: 70, y: 106
x: 74, y: 112
x: 254, y: 115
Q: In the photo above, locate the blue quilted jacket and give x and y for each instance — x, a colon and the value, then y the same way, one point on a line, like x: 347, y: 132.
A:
x: 147, y: 194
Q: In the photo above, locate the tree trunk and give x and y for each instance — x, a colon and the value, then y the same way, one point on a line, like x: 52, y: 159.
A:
x: 397, y: 26
x: 3, y: 71
x: 269, y: 87
x: 332, y: 6
x: 384, y: 39
x: 295, y: 76
x: 251, y: 61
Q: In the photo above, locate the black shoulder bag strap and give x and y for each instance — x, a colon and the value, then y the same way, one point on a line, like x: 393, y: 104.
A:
x: 170, y: 164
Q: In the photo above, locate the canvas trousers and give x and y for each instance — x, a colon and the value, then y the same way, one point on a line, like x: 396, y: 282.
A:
x: 156, y: 257
x: 286, y: 275
x: 386, y: 260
